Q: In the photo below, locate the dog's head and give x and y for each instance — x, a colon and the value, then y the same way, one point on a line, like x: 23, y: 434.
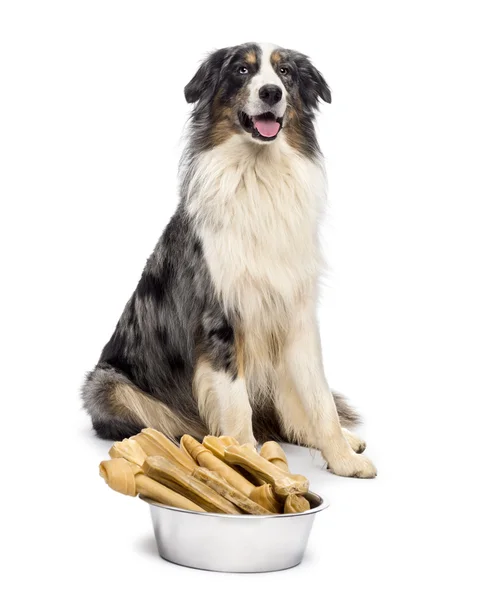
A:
x: 259, y: 91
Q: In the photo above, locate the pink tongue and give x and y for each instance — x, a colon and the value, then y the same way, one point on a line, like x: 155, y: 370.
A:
x: 266, y: 128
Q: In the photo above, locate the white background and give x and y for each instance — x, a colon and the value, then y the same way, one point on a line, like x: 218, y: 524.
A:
x: 91, y: 116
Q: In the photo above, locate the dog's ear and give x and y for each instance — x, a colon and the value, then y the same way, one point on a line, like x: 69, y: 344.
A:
x: 205, y: 80
x: 312, y: 84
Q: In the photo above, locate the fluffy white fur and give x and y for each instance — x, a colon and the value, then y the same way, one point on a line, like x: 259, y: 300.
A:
x: 260, y: 240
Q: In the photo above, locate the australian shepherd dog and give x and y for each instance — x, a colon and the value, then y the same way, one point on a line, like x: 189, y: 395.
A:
x: 221, y: 334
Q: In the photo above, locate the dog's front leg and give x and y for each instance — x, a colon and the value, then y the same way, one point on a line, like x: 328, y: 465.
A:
x: 219, y: 382
x: 223, y: 402
x: 235, y: 408
x: 303, y: 361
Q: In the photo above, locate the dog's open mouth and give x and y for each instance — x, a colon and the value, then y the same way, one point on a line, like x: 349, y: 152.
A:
x: 264, y: 127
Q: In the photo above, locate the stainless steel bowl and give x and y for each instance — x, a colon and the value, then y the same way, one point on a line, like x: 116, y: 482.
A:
x: 233, y: 543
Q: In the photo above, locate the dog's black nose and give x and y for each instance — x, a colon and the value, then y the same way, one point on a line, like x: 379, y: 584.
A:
x: 271, y: 94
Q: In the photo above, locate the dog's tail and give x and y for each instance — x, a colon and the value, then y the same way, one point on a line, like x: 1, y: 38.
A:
x: 349, y: 417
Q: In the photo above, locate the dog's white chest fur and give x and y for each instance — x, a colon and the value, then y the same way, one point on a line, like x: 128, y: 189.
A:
x: 256, y: 210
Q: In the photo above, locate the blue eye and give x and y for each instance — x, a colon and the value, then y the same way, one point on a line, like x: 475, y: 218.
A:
x: 243, y: 70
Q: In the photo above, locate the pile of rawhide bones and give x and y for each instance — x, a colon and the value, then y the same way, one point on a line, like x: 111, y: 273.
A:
x: 218, y: 475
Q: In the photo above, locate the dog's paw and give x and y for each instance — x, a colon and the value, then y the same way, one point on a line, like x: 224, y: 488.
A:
x: 355, y: 442
x: 246, y: 439
x: 352, y: 465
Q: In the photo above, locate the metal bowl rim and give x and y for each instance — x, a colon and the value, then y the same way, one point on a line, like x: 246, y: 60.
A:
x: 323, y: 504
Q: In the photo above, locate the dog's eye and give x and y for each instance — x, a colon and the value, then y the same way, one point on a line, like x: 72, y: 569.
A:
x: 284, y: 70
x: 243, y: 70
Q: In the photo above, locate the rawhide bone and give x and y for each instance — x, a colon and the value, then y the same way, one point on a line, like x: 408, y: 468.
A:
x: 133, y: 450
x: 262, y: 495
x: 130, y: 450
x: 154, y: 443
x: 205, y: 458
x: 220, y: 485
x: 276, y: 455
x: 257, y: 480
x: 217, y: 445
x: 175, y: 477
x: 283, y: 483
x: 295, y: 503
x: 129, y: 479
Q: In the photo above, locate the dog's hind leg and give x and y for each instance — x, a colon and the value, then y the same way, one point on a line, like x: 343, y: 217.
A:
x: 119, y: 409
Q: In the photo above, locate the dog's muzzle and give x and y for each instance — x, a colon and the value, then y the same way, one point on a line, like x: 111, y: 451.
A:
x: 265, y: 126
